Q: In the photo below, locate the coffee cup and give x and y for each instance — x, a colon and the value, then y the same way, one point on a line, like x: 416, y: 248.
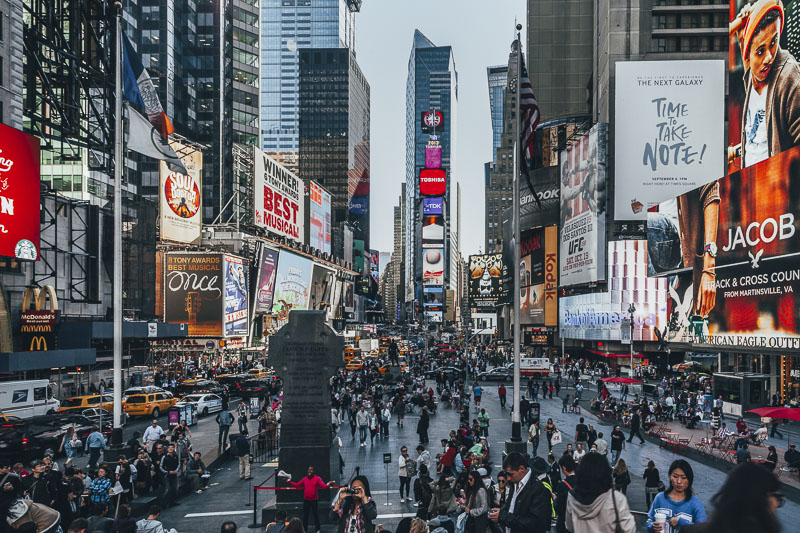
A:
x: 660, y: 518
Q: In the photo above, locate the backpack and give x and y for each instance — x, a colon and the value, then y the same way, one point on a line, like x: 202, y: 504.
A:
x: 411, y: 468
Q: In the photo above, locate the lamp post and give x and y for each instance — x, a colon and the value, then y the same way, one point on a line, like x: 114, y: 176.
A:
x: 631, y: 310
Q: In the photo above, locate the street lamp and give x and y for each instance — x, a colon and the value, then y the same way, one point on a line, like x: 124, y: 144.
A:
x: 631, y: 310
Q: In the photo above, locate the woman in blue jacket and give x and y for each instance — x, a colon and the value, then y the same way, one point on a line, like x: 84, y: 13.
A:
x: 679, y: 503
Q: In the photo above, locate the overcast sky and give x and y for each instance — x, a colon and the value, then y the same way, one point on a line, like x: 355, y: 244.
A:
x: 480, y: 33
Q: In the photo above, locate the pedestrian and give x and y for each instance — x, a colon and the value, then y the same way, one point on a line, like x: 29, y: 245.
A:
x: 362, y: 421
x: 241, y: 411
x: 403, y: 463
x: 652, y: 482
x: 99, y: 490
x: 549, y: 429
x: 374, y: 426
x: 422, y: 426
x: 400, y: 411
x: 356, y: 508
x: 774, y: 428
x: 550, y: 390
x: 196, y: 466
x: 95, y: 443
x: 386, y: 417
x: 501, y: 393
x: 566, y: 467
x: 151, y: 435
x: 617, y: 443
x: 243, y: 453
x: 476, y: 392
x: 746, y: 503
x: 483, y: 421
x: 225, y: 420
x: 476, y: 504
x: 443, y: 496
x: 558, y: 387
x: 582, y: 434
x: 564, y: 403
x: 311, y: 485
x: 530, y: 509
x: 636, y: 423
x: 533, y: 437
x: 622, y: 478
x: 36, y: 485
x: 152, y: 524
x: 678, y: 503
x: 352, y: 416
x: 169, y: 466
x: 593, y: 506
x: 772, y: 459
x: 423, y: 492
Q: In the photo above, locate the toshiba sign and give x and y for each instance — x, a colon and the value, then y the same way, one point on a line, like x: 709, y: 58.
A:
x: 19, y: 194
x: 432, y: 181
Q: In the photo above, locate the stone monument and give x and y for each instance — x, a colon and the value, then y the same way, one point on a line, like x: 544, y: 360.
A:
x: 306, y: 352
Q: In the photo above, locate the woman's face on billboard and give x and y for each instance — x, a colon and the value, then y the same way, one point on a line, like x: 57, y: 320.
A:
x: 763, y: 49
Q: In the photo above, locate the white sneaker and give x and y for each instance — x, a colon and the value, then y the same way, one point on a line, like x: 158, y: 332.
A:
x: 402, y: 500
x: 416, y: 504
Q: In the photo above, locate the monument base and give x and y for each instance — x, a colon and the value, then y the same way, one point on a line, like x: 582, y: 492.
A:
x: 515, y: 446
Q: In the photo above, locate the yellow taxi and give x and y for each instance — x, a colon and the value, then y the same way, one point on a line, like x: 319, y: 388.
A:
x: 259, y: 372
x: 355, y: 364
x: 76, y: 404
x: 148, y: 404
x: 4, y: 418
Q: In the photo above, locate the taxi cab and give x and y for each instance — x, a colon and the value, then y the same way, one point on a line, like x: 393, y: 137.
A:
x: 148, y: 404
x: 259, y: 372
x: 5, y: 418
x: 355, y: 364
x: 76, y: 404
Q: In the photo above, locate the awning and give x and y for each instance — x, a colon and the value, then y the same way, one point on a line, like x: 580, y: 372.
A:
x: 612, y: 355
x: 23, y: 361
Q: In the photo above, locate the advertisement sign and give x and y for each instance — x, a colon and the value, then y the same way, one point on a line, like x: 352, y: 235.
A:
x: 583, y: 209
x: 538, y: 338
x: 349, y: 297
x: 434, y: 317
x: 551, y: 276
x: 432, y: 206
x: 321, y: 287
x: 432, y: 181
x: 433, y: 298
x: 37, y: 330
x: 544, y: 213
x: 319, y: 218
x: 432, y: 121
x: 531, y: 251
x: 19, y: 194
x: 599, y: 315
x: 433, y: 266
x: 433, y: 155
x: 359, y: 205
x: 739, y: 288
x: 193, y: 286
x: 374, y: 265
x: 531, y: 301
x: 279, y: 198
x: 235, y: 296
x: 292, y: 283
x: 433, y: 232
x: 180, y: 217
x: 266, y: 281
x: 485, y: 279
x: 670, y: 123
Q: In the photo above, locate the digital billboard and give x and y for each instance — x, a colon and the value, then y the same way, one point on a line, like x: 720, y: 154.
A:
x: 432, y: 206
x: 433, y: 154
x: 321, y: 286
x: 236, y: 307
x: 193, y: 292
x: 433, y: 298
x: 374, y: 265
x: 670, y: 125
x: 279, y: 198
x: 531, y: 301
x: 180, y: 197
x: 292, y: 283
x: 432, y: 121
x: 433, y: 266
x: 265, y: 289
x: 19, y: 194
x: 485, y: 279
x: 432, y: 231
x: 732, y: 246
x: 551, y: 276
x: 319, y: 218
x: 545, y: 211
x: 432, y: 181
x: 583, y: 209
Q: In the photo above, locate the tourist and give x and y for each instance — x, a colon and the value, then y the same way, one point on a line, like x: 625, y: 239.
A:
x: 622, y: 477
x: 356, y: 510
x: 593, y: 506
x: 652, y: 482
x: 403, y: 473
x: 617, y: 443
x: 311, y: 485
x: 476, y: 504
x: 677, y: 503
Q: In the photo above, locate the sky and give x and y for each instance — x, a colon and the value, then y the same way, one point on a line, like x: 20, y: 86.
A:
x: 480, y: 33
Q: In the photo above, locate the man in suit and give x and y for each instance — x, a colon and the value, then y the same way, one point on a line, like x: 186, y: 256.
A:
x: 528, y: 508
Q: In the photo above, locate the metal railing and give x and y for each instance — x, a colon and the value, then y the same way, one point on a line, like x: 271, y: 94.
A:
x: 264, y: 446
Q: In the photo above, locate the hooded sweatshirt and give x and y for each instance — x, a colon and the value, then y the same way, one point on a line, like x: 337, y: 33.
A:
x: 689, y: 511
x: 598, y: 516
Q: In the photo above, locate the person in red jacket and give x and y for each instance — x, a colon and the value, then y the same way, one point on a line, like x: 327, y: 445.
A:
x: 311, y: 485
x: 501, y: 392
x: 447, y: 461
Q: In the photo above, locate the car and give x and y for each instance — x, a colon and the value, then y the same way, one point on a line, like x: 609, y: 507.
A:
x: 448, y: 372
x: 206, y: 403
x: 28, y: 439
x: 198, y: 386
x: 96, y: 415
x: 260, y: 372
x: 148, y: 404
x: 253, y: 388
x: 146, y: 389
x: 355, y: 364
x: 76, y: 404
x: 4, y: 418
x: 497, y: 374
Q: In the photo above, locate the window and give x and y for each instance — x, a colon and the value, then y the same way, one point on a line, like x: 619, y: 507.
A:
x: 245, y: 77
x: 245, y: 57
x: 243, y: 16
x: 245, y: 37
x: 39, y: 394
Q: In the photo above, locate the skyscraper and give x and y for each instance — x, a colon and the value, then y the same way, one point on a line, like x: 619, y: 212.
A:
x: 498, y: 80
x: 334, y: 136
x: 11, y: 63
x: 432, y: 84
x: 287, y: 26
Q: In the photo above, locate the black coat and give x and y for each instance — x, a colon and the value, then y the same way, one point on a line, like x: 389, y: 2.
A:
x: 532, y: 510
x: 369, y: 510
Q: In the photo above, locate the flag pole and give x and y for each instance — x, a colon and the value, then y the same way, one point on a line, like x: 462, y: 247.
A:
x: 116, y: 436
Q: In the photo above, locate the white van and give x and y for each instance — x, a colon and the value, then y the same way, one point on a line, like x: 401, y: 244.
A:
x: 25, y: 399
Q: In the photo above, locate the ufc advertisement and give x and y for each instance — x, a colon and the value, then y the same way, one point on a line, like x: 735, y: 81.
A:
x: 432, y: 181
x: 485, y: 279
x: 266, y: 281
x: 670, y: 120
x: 733, y: 245
x: 180, y: 199
x: 193, y: 287
x: 235, y: 296
x: 279, y: 198
x: 583, y: 209
x: 19, y: 194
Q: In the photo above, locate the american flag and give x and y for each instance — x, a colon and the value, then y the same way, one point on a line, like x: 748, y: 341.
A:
x: 529, y: 119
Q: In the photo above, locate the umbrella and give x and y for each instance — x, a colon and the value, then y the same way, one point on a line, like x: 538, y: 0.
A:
x: 787, y: 413
x: 620, y: 380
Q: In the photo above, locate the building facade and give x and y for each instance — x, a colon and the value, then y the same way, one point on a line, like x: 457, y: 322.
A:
x: 11, y: 63
x: 498, y: 81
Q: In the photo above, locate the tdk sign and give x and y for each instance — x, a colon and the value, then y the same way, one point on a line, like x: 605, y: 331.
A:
x: 432, y: 206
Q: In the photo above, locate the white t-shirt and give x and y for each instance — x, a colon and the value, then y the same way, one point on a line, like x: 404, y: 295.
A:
x: 755, y: 136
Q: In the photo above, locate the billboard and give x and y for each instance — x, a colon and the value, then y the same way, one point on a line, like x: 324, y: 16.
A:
x: 433, y: 298
x: 732, y: 246
x: 279, y: 198
x: 319, y: 218
x: 321, y: 286
x: 432, y: 121
x: 583, y: 209
x: 375, y: 265
x: 349, y: 297
x: 531, y: 302
x: 551, y: 276
x: 432, y: 206
x: 670, y: 123
x: 545, y: 212
x: 485, y: 279
x: 193, y: 286
x: 19, y: 194
x: 236, y: 315
x: 432, y: 231
x: 265, y: 289
x: 433, y: 155
x: 432, y: 181
x: 180, y: 199
x: 292, y: 283
x: 433, y: 266
x: 600, y: 315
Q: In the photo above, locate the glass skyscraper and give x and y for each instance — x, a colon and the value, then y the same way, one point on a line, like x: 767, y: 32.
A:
x: 498, y: 78
x: 287, y: 26
x: 432, y: 83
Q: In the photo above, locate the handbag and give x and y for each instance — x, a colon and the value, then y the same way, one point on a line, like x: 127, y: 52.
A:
x: 661, y: 486
x: 617, y: 526
x: 556, y: 438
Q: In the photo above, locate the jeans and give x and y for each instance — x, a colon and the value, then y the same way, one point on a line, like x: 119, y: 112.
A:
x: 94, y: 456
x: 362, y: 434
x: 663, y: 244
x: 223, y: 435
x: 614, y: 456
x: 242, y: 423
x: 170, y: 489
x: 502, y: 402
x: 310, y: 506
x: 635, y: 431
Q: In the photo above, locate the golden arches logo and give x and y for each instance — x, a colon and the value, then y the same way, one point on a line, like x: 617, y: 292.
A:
x: 38, y: 344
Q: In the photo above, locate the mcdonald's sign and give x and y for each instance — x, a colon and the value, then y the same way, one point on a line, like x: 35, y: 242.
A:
x: 37, y: 325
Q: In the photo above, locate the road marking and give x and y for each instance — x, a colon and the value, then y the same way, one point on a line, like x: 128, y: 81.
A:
x: 221, y: 513
x: 397, y: 515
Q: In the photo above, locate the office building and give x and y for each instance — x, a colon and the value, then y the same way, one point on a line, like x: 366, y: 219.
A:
x: 498, y: 81
x: 288, y: 26
x: 334, y: 134
x: 11, y: 63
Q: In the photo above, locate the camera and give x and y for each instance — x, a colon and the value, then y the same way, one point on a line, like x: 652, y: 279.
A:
x: 349, y: 492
